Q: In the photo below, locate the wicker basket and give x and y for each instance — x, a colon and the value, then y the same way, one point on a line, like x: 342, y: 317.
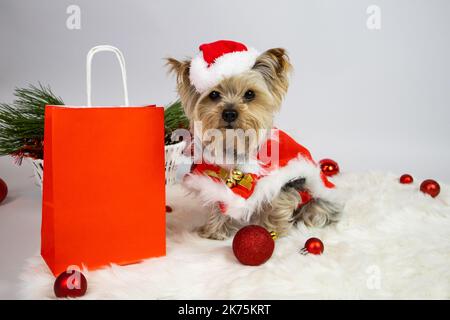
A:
x: 172, y: 158
x: 172, y: 155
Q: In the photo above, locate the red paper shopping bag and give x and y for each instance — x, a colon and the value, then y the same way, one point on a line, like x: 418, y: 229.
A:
x: 104, y: 190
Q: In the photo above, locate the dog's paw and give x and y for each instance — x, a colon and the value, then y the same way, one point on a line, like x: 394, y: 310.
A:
x: 319, y: 213
x: 207, y: 233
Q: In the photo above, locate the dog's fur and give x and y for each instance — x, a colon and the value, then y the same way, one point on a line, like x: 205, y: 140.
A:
x: 269, y: 80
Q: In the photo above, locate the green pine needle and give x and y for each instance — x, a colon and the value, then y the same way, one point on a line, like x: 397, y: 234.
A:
x: 174, y: 117
x: 22, y: 122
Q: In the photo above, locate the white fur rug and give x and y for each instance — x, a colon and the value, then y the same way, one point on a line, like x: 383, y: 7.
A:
x: 393, y: 242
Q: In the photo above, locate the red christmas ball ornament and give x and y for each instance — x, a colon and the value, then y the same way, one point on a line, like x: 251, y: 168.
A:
x: 430, y: 187
x: 406, y: 179
x: 70, y: 284
x: 313, y: 245
x: 3, y: 190
x: 329, y: 167
x: 253, y: 245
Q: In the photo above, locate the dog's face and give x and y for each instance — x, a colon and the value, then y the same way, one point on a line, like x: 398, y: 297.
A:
x: 245, y: 101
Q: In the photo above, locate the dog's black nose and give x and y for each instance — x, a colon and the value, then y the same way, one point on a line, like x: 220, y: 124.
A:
x: 229, y: 115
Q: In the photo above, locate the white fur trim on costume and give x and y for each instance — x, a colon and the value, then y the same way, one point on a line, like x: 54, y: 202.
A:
x: 204, y: 77
x: 211, y: 192
x: 266, y: 189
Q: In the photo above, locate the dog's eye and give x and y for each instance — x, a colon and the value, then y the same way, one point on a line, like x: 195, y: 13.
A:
x: 249, y: 95
x: 214, y: 95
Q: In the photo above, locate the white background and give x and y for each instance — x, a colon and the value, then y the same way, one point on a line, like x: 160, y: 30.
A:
x: 370, y: 99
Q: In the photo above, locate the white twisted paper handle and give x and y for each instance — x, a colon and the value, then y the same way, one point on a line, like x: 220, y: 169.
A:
x: 121, y: 59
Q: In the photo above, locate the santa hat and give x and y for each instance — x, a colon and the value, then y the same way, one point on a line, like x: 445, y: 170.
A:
x: 219, y: 60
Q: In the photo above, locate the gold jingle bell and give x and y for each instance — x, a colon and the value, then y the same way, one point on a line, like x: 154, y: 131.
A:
x: 230, y: 183
x: 237, y: 174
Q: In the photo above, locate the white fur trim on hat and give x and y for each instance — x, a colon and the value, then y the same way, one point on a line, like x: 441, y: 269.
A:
x: 230, y: 64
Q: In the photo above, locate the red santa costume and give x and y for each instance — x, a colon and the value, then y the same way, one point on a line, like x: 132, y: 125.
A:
x: 240, y: 191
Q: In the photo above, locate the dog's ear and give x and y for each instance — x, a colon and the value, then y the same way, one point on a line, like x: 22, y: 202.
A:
x: 180, y: 69
x: 186, y: 90
x: 275, y: 68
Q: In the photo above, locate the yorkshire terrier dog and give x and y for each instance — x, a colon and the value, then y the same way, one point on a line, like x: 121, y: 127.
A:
x: 229, y: 87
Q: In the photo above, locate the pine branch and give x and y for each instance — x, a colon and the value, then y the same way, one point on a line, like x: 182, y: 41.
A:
x: 174, y: 118
x: 22, y: 122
